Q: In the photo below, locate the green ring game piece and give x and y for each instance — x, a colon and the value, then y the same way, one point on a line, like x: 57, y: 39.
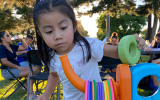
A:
x: 128, y: 51
x: 95, y: 90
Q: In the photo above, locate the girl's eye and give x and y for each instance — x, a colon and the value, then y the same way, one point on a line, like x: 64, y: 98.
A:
x: 49, y: 32
x: 64, y: 28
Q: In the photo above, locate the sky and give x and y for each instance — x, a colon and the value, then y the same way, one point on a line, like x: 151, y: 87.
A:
x: 89, y: 23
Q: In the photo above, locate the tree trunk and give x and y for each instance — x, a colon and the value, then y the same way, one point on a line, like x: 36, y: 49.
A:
x: 149, y: 27
x: 153, y: 29
x: 159, y: 26
x: 108, y: 26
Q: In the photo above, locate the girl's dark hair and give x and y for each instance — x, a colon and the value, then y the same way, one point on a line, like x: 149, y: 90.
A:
x: 114, y: 35
x: 2, y: 35
x: 44, y: 6
x: 154, y: 45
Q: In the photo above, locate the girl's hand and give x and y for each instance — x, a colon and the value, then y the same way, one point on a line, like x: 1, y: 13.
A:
x: 141, y: 42
x: 43, y: 97
x: 156, y: 61
x: 149, y: 49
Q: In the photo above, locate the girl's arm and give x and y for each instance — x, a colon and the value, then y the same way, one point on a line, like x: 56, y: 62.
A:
x: 155, y: 49
x: 53, y: 80
x: 23, y: 46
x: 150, y: 48
x: 112, y: 51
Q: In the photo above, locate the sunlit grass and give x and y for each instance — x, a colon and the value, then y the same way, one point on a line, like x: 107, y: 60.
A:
x: 21, y: 94
x: 144, y: 93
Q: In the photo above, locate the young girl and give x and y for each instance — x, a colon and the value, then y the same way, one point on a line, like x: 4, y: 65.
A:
x: 57, y: 35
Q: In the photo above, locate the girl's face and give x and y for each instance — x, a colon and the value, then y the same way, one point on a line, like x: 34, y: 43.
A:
x: 114, y: 41
x: 57, y: 31
x: 6, y: 38
x: 157, y: 39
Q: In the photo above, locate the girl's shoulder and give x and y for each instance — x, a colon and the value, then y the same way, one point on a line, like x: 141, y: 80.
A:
x: 89, y: 39
x: 94, y: 40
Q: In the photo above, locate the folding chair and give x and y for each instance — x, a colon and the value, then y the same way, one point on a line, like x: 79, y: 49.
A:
x: 34, y: 59
x: 107, y: 61
x: 19, y: 80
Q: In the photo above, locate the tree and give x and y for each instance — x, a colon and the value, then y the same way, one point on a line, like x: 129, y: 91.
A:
x: 144, y: 34
x: 150, y: 7
x: 101, y: 21
x: 111, y: 7
x: 126, y: 24
x: 114, y: 7
x: 9, y: 9
x: 81, y: 30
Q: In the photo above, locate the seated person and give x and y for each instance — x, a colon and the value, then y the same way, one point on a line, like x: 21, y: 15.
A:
x: 113, y: 41
x: 23, y: 60
x: 155, y: 46
x: 8, y: 58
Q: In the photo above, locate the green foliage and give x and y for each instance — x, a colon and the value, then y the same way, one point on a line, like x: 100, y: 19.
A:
x: 9, y: 9
x: 111, y: 7
x: 101, y: 25
x: 127, y: 24
x: 114, y: 7
x: 144, y: 34
x: 150, y: 6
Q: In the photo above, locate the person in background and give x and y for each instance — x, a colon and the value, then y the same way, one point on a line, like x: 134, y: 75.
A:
x: 155, y: 46
x: 8, y: 58
x: 23, y: 60
x: 113, y: 41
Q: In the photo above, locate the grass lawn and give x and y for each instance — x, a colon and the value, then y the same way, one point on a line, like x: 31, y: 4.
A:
x: 21, y: 94
x: 144, y: 93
